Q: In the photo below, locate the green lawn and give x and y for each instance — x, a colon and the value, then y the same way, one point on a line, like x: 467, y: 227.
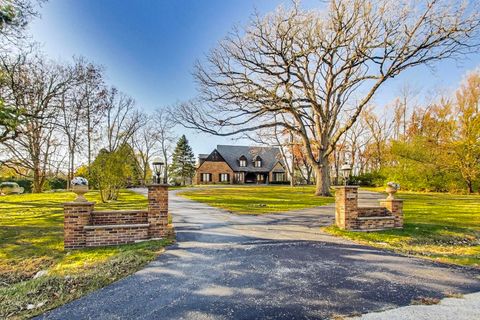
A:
x: 31, y: 239
x: 258, y: 199
x: 439, y: 226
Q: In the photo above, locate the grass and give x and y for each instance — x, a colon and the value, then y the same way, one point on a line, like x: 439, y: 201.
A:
x: 258, y: 199
x: 31, y: 240
x: 439, y: 226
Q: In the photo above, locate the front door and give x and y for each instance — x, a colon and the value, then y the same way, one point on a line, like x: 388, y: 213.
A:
x: 256, y: 177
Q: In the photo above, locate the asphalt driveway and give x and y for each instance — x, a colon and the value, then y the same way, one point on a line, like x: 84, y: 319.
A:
x: 280, y: 266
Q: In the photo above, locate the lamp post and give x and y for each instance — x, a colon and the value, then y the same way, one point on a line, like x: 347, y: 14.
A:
x: 346, y: 169
x: 157, y: 168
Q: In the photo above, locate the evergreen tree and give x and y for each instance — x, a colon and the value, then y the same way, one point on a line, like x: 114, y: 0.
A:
x: 183, y: 161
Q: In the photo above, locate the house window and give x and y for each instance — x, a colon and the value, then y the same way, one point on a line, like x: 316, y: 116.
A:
x: 257, y: 162
x: 243, y: 163
x: 206, y: 177
x: 224, y: 177
x: 259, y: 177
x: 278, y: 176
x: 239, y: 176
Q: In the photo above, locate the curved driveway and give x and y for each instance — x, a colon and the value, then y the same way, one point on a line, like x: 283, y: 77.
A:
x: 281, y: 266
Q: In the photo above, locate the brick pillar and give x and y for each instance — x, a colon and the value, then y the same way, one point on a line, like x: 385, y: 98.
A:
x: 77, y: 215
x: 157, y: 210
x: 346, y: 204
x: 395, y: 207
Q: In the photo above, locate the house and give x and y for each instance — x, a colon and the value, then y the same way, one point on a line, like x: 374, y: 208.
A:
x: 241, y: 164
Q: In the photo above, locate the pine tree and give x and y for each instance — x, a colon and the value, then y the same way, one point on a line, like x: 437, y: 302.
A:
x: 183, y: 161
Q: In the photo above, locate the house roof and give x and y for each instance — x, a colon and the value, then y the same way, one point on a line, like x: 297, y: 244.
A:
x: 270, y: 157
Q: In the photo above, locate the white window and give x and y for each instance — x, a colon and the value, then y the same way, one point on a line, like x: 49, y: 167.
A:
x: 279, y: 176
x: 239, y: 176
x: 224, y: 177
x: 258, y: 163
x: 243, y: 163
x: 206, y: 177
x: 259, y: 177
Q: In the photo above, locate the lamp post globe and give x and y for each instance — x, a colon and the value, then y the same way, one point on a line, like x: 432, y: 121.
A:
x: 157, y: 169
x: 346, y: 170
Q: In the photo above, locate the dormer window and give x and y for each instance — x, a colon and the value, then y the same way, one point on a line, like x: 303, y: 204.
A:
x: 242, y: 161
x: 257, y: 162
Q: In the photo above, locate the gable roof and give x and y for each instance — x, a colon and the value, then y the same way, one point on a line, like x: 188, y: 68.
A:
x: 270, y: 157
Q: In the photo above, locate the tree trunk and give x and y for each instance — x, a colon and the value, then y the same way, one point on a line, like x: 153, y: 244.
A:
x: 165, y: 173
x: 37, y: 180
x: 322, y: 178
x: 470, y: 186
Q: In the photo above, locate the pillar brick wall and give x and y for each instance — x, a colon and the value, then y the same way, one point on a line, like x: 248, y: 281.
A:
x: 77, y: 215
x: 157, y: 210
x: 108, y: 235
x: 84, y: 227
x: 346, y: 207
x: 395, y: 207
x: 349, y: 216
x: 119, y: 217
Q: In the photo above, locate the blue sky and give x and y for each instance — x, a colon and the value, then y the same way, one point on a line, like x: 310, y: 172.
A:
x: 148, y: 47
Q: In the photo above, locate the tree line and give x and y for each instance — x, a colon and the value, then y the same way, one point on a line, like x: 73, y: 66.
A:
x: 300, y: 79
x: 60, y: 119
x: 433, y: 145
x: 313, y: 73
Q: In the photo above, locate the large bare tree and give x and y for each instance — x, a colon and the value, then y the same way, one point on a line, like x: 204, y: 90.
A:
x: 80, y: 110
x: 319, y: 69
x: 36, y: 86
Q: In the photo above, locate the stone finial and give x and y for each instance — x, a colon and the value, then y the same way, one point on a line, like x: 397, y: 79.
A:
x: 80, y: 187
x: 392, y: 188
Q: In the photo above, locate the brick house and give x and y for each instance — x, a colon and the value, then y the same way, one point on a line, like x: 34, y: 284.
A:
x: 240, y: 164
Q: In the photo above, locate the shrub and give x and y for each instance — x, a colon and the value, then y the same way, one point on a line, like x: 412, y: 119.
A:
x: 55, y: 183
x: 369, y: 179
x: 279, y: 182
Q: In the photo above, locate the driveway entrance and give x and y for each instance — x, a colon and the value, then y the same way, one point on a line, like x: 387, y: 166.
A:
x: 281, y: 266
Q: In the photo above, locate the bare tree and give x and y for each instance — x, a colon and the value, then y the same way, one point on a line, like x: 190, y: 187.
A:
x: 35, y: 86
x: 122, y: 119
x: 164, y: 136
x: 380, y: 129
x: 76, y: 106
x: 320, y: 69
x: 14, y: 17
x: 145, y: 143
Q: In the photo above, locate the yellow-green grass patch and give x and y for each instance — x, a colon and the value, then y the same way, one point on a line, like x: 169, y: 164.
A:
x: 31, y: 240
x: 440, y: 226
x: 258, y: 199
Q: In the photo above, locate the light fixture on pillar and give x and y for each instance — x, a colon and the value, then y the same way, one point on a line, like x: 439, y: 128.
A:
x: 157, y: 169
x: 346, y: 170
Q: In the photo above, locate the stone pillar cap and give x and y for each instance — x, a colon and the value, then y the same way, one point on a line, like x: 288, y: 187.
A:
x: 78, y: 203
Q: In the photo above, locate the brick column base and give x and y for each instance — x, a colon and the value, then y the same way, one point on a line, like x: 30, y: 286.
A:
x: 395, y: 207
x: 77, y: 215
x: 346, y: 207
x: 157, y: 210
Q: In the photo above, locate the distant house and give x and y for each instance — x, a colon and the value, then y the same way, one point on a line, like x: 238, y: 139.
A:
x: 240, y: 164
